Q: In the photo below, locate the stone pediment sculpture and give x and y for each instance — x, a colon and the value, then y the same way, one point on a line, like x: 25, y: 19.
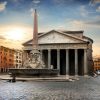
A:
x: 59, y: 37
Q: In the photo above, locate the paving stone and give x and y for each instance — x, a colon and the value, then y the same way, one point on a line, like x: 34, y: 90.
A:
x: 83, y: 89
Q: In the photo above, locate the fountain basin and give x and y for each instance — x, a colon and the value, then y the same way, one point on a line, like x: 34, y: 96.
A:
x: 33, y: 72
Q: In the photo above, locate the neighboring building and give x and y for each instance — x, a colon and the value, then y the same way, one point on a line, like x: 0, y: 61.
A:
x: 96, y: 63
x: 6, y: 58
x: 18, y: 58
x: 68, y: 51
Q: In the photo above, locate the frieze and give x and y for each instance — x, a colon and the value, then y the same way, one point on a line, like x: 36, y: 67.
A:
x: 58, y: 46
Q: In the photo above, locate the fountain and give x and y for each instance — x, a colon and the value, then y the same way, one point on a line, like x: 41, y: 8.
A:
x: 34, y: 65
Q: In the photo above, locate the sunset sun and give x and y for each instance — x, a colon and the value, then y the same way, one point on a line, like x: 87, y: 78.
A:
x: 15, y: 34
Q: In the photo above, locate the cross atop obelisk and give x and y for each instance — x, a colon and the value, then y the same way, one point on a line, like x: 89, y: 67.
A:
x: 35, y: 31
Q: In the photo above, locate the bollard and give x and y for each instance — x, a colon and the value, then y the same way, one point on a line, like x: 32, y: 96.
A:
x: 13, y: 78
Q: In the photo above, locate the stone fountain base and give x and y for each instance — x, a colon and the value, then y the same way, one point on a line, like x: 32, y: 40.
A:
x: 33, y: 66
x: 33, y: 72
x: 29, y: 72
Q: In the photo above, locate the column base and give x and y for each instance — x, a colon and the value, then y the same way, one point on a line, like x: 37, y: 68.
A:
x: 86, y: 76
x: 67, y: 76
x: 76, y: 77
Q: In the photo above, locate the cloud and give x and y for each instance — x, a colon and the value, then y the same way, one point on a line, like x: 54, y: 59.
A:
x: 2, y: 37
x: 84, y: 24
x: 11, y: 43
x: 36, y: 1
x: 3, y: 6
x: 83, y: 11
x: 62, y: 1
x: 96, y: 50
x: 76, y: 25
x: 96, y: 22
x: 5, y: 32
x: 98, y: 9
x: 16, y: 1
x: 31, y: 11
x: 94, y: 2
x: 59, y: 1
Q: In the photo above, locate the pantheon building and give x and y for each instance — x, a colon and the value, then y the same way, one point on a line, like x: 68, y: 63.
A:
x: 68, y: 51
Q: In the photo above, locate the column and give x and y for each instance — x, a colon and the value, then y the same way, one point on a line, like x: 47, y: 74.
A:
x: 85, y: 62
x: 41, y: 54
x: 58, y: 59
x: 76, y: 62
x: 49, y: 58
x: 67, y: 62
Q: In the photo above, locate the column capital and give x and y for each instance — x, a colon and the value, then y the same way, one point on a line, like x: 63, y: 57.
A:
x: 85, y: 50
x: 58, y: 49
x: 66, y: 49
x: 49, y: 49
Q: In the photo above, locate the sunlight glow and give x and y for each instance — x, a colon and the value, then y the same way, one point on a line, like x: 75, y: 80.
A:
x: 15, y: 34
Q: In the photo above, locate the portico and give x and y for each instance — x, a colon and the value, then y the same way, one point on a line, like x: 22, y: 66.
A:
x: 66, y: 60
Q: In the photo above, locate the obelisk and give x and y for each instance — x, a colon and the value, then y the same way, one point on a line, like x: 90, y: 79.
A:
x: 35, y: 32
x: 34, y: 60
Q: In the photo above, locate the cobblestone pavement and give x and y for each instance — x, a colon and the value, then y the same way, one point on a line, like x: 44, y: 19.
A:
x: 83, y: 89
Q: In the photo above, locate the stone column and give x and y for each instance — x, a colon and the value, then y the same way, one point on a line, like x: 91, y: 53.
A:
x: 76, y: 62
x: 49, y: 58
x: 58, y: 59
x: 67, y: 62
x: 85, y: 62
x: 41, y: 54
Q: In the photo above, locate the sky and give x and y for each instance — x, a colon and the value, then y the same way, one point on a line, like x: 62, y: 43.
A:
x: 16, y: 19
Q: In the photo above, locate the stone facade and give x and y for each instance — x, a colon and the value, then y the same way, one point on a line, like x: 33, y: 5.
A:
x: 18, y: 58
x: 96, y: 63
x: 6, y: 58
x: 68, y: 51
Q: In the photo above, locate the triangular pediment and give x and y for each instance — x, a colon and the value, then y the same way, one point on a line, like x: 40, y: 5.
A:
x: 58, y: 37
x: 54, y: 36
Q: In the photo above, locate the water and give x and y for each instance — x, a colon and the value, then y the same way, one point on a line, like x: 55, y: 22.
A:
x: 84, y: 89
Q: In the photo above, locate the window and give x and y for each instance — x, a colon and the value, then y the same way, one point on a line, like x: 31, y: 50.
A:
x: 16, y: 65
x: 19, y: 61
x: 10, y: 60
x: 5, y: 49
x: 16, y: 56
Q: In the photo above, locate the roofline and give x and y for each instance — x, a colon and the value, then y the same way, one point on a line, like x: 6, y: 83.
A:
x: 65, y: 34
x: 81, y: 31
x: 55, y: 43
x: 89, y: 38
x: 39, y: 35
